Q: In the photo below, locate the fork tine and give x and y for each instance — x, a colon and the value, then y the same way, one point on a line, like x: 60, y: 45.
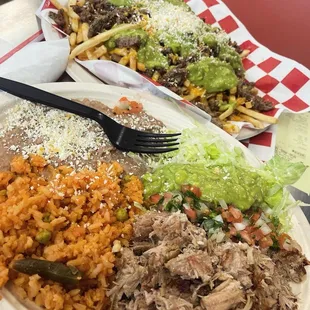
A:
x: 149, y: 139
x: 157, y: 135
x: 153, y: 151
x: 156, y: 144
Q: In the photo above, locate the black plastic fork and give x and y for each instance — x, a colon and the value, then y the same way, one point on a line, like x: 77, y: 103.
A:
x: 123, y: 138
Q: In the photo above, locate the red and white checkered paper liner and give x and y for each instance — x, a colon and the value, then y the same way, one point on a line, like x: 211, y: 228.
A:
x: 280, y: 80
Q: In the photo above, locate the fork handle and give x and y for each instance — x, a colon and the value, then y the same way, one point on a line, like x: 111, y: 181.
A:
x: 34, y: 94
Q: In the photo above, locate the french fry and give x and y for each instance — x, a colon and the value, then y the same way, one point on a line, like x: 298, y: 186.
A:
x: 100, y: 51
x: 90, y: 55
x: 124, y: 60
x: 253, y: 121
x: 57, y: 5
x: 257, y: 115
x: 72, y: 39
x: 120, y: 51
x: 133, y: 62
x: 79, y: 37
x: 82, y: 56
x: 248, y: 105
x: 85, y: 28
x: 235, y: 118
x: 187, y: 83
x: 102, y: 37
x: 190, y: 97
x: 155, y: 76
x: 133, y: 59
x: 231, y: 128
x: 80, y: 2
x: 240, y: 101
x: 233, y: 90
x: 71, y: 13
x: 227, y: 113
x: 245, y: 53
x: 141, y: 66
x: 105, y: 57
x: 74, y: 22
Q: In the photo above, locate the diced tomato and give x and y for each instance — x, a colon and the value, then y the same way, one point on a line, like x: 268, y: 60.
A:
x: 255, y: 217
x: 282, y: 240
x: 257, y: 234
x: 194, y: 189
x: 246, y: 237
x: 123, y: 99
x: 155, y: 198
x: 226, y: 215
x: 134, y: 107
x: 250, y: 229
x: 265, y: 242
x: 191, y: 214
x: 168, y: 195
x: 236, y: 213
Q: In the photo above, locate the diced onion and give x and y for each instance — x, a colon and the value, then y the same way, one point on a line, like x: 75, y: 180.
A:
x: 259, y: 222
x: 287, y: 245
x: 266, y: 230
x: 186, y: 205
x: 246, y: 222
x: 268, y: 211
x: 124, y: 105
x: 265, y: 218
x: 223, y: 204
x: 218, y: 235
x: 219, y: 218
x: 239, y: 226
x: 203, y: 207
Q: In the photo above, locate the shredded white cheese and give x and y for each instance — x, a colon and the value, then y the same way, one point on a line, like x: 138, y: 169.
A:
x: 53, y: 133
x: 176, y: 21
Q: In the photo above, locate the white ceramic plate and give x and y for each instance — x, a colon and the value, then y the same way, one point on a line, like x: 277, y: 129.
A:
x: 82, y: 75
x: 175, y: 118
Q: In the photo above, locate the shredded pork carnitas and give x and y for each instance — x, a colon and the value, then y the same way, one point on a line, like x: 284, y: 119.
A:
x: 172, y: 266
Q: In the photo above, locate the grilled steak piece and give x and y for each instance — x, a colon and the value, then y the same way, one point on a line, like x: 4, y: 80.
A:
x: 126, y: 41
x: 174, y: 78
x: 245, y: 89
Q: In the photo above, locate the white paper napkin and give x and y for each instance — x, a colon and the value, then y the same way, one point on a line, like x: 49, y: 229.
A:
x: 38, y: 62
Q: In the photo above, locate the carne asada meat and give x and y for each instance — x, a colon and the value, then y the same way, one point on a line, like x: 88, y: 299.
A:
x: 178, y: 268
x: 174, y: 79
x: 245, y: 89
x: 128, y: 41
x: 115, y: 17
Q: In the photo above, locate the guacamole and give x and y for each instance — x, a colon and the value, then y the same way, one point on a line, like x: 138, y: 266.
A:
x: 151, y: 56
x: 120, y: 2
x: 110, y: 44
x: 239, y: 186
x: 212, y: 74
x: 182, y: 47
x: 228, y: 54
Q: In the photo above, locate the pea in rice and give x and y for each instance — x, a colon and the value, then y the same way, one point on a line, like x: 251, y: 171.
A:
x: 68, y: 216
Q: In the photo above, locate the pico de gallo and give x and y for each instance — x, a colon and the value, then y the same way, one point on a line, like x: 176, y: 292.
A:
x: 224, y: 220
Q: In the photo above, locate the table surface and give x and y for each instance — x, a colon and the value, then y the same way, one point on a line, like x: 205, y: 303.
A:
x: 276, y: 15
